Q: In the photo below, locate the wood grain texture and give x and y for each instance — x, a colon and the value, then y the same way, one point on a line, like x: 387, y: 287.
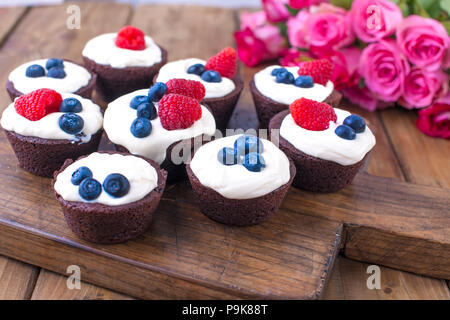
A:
x: 17, y: 279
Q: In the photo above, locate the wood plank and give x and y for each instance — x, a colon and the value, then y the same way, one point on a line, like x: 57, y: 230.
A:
x: 17, y: 279
x: 9, y: 18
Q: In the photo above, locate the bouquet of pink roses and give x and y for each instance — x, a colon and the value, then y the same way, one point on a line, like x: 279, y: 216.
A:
x: 384, y: 52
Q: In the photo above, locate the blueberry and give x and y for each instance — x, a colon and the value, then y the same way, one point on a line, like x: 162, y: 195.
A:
x: 57, y: 73
x: 211, y: 76
x: 141, y: 128
x: 285, y: 77
x: 89, y: 189
x: 80, y: 174
x: 71, y: 123
x: 147, y: 110
x: 70, y: 105
x: 157, y: 91
x: 356, y: 122
x: 54, y: 63
x: 227, y: 156
x: 254, y: 162
x: 345, y: 132
x: 304, y: 82
x: 197, y: 69
x: 35, y: 71
x: 137, y: 100
x: 116, y: 185
x: 278, y: 70
x: 246, y: 144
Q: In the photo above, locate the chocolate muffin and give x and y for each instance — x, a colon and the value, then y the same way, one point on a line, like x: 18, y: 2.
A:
x: 109, y: 197
x: 34, y: 75
x: 240, y: 180
x: 271, y: 97
x: 325, y: 162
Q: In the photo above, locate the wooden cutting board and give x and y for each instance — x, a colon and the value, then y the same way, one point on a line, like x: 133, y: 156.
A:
x: 184, y: 254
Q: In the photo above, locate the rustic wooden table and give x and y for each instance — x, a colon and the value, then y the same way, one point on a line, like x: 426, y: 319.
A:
x: 402, y: 152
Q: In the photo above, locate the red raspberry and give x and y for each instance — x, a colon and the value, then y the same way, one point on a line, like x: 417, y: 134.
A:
x: 188, y: 88
x: 178, y: 112
x: 320, y: 70
x: 312, y: 115
x: 225, y: 63
x: 37, y: 104
x: 130, y: 37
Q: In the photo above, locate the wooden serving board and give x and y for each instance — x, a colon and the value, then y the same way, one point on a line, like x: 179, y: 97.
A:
x: 186, y: 255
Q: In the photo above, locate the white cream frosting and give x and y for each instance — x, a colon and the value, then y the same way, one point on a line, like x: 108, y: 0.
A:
x: 48, y: 127
x: 103, y: 50
x: 76, y: 78
x: 142, y: 177
x: 118, y: 119
x: 178, y: 70
x: 236, y: 182
x: 326, y: 144
x: 288, y: 93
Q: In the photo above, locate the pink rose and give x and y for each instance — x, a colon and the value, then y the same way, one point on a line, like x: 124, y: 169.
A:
x: 360, y: 96
x: 299, y: 4
x: 275, y: 10
x: 424, y: 42
x: 374, y: 20
x: 435, y: 120
x: 297, y: 31
x: 250, y: 49
x: 292, y: 57
x: 422, y: 87
x: 274, y: 42
x: 384, y: 68
x: 252, y: 20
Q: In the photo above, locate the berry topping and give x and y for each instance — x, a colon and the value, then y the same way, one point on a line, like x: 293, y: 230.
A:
x: 253, y: 161
x: 157, y: 91
x: 35, y: 71
x: 320, y: 70
x: 80, y: 174
x: 137, y: 100
x: 70, y: 105
x: 89, y: 189
x: 285, y: 76
x: 304, y: 82
x: 197, y: 69
x: 56, y: 72
x: 54, y: 63
x: 356, y: 122
x: 246, y: 144
x: 189, y: 88
x: 147, y: 110
x: 71, y: 123
x: 178, y: 112
x: 37, y: 104
x: 345, y: 132
x: 116, y: 185
x: 278, y: 70
x: 225, y: 63
x: 211, y: 76
x: 141, y: 128
x: 227, y: 156
x: 312, y: 115
x: 130, y: 38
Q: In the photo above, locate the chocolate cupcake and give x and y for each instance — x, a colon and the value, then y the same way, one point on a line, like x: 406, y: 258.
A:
x: 222, y: 89
x: 45, y: 128
x: 166, y: 137
x: 327, y: 158
x: 56, y: 74
x: 109, y: 197
x: 240, y: 180
x: 123, y: 61
x: 275, y: 88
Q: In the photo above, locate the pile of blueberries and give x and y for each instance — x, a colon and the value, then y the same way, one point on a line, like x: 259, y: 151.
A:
x: 352, y: 125
x: 206, y: 75
x: 115, y: 184
x: 246, y: 151
x: 141, y: 127
x: 282, y: 75
x: 70, y: 122
x: 55, y: 69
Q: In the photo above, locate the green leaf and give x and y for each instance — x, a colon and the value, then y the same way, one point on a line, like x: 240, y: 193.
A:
x: 445, y: 5
x: 362, y: 83
x: 293, y: 12
x: 346, y: 4
x: 446, y: 25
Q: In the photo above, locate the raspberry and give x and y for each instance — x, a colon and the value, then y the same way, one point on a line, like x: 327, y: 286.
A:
x: 320, y: 70
x: 188, y: 88
x: 225, y: 63
x: 312, y: 115
x: 130, y: 38
x: 37, y: 104
x: 178, y: 112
